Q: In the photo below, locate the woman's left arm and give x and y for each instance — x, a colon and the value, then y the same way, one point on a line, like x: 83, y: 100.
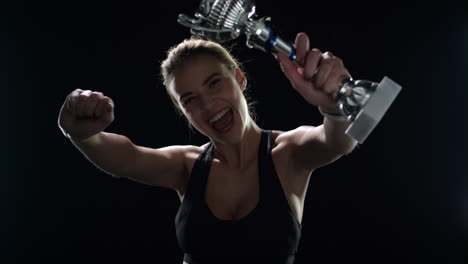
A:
x: 317, y: 77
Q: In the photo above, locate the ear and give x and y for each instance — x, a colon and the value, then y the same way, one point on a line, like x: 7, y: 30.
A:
x: 241, y: 79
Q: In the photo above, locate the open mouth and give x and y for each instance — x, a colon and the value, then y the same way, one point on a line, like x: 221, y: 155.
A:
x: 222, y: 122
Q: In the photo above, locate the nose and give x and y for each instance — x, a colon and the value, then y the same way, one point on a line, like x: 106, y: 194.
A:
x: 205, y: 102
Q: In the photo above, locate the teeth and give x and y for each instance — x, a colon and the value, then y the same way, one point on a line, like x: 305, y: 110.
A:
x: 218, y: 116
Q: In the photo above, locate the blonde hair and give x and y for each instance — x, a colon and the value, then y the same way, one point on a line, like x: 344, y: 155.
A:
x: 179, y: 53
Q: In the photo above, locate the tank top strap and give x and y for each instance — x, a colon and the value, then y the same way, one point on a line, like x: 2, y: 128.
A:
x: 197, y: 181
x: 271, y: 190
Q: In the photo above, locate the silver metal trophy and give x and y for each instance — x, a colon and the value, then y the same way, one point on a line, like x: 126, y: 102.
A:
x: 363, y: 103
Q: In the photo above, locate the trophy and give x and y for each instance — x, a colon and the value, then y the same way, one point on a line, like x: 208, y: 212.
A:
x: 362, y: 103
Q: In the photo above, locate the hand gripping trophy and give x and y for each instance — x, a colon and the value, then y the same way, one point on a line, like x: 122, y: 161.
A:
x: 362, y: 103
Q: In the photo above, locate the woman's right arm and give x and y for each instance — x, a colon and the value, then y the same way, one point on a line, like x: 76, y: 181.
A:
x: 84, y: 116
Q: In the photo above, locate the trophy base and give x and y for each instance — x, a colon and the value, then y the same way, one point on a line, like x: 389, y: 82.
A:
x: 374, y: 109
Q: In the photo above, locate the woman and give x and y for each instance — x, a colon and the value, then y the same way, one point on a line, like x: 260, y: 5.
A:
x: 243, y: 192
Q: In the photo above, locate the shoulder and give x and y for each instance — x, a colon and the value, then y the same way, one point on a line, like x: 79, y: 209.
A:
x: 301, y: 148
x: 286, y: 144
x: 190, y: 155
x: 192, y: 151
x: 292, y: 138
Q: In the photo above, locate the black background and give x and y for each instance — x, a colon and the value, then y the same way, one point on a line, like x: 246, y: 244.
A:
x: 401, y: 196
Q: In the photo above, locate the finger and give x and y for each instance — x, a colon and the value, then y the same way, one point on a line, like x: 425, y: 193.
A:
x: 81, y: 104
x: 110, y: 104
x: 312, y: 61
x: 327, y: 63
x: 291, y: 72
x: 109, y: 109
x: 302, y: 47
x: 102, y: 106
x: 99, y: 110
x: 304, y: 87
x: 91, y: 103
x: 71, y: 100
x: 336, y: 77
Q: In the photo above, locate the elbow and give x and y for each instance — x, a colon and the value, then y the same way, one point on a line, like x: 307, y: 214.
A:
x: 338, y: 142
x: 344, y: 147
x: 349, y: 147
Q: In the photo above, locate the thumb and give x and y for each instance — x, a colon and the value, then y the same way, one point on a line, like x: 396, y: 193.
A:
x: 302, y: 44
x: 108, y: 116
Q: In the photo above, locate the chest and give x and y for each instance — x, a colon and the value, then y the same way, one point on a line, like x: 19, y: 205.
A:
x: 233, y: 194
x: 236, y: 220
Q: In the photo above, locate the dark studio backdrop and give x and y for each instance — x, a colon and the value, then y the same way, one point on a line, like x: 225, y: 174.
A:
x: 401, y: 196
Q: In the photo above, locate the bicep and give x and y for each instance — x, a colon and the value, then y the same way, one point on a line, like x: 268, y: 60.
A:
x: 164, y: 167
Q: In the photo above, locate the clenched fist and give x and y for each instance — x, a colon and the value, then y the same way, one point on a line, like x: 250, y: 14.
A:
x: 85, y: 113
x: 315, y: 75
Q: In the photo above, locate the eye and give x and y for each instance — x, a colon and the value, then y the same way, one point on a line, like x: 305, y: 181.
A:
x: 188, y: 100
x: 215, y: 81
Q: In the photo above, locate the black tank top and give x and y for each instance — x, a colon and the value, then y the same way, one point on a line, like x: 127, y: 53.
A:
x: 270, y: 233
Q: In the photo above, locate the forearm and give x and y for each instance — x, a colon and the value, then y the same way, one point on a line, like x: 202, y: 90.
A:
x: 335, y: 133
x: 110, y: 152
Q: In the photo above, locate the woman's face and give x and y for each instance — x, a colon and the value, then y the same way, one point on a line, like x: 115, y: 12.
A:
x: 211, y: 98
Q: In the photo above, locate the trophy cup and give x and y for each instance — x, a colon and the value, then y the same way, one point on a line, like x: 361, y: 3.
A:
x: 362, y: 103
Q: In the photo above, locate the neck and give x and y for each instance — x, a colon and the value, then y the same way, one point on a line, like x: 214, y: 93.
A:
x: 241, y: 154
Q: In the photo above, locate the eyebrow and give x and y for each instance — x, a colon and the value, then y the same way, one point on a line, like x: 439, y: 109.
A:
x: 203, y: 84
